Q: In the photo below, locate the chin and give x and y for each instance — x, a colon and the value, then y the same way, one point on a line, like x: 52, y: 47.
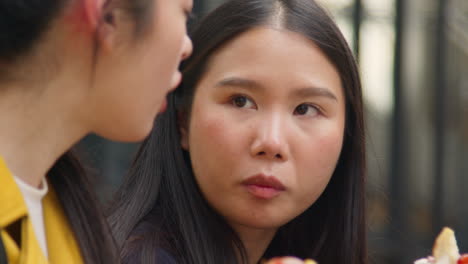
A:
x: 264, y: 222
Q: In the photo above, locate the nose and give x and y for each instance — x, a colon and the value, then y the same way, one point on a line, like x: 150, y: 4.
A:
x: 187, y: 48
x: 270, y: 140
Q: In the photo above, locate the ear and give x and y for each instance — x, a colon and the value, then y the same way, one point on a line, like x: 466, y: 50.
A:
x: 183, y: 124
x: 92, y: 11
x: 101, y: 19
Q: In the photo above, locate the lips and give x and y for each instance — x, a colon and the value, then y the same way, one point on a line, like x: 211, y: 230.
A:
x: 177, y: 79
x: 264, y: 187
x: 163, y: 106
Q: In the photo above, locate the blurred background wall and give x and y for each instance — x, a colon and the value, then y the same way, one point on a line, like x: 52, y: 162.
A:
x: 413, y: 56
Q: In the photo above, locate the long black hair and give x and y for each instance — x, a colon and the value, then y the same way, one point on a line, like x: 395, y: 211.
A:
x: 160, y: 205
x: 23, y: 25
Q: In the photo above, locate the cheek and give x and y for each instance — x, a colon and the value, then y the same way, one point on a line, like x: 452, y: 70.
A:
x: 324, y: 146
x: 172, y: 39
x: 211, y: 129
x: 166, y: 42
x: 204, y: 130
x: 214, y: 148
x: 316, y: 163
x: 327, y: 152
x: 212, y: 143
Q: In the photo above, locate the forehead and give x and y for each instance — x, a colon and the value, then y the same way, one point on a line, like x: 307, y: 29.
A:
x: 274, y: 56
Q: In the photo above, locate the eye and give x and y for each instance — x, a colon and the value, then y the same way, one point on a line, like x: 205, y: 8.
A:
x: 306, y: 109
x: 242, y: 101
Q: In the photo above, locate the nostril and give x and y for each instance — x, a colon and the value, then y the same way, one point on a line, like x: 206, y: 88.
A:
x: 278, y: 156
x: 261, y: 153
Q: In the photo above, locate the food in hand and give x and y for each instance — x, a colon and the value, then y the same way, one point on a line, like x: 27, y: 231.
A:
x: 445, y: 250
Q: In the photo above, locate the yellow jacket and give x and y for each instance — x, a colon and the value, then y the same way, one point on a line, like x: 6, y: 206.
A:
x: 61, y: 243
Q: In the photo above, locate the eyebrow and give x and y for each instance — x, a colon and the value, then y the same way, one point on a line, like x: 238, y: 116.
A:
x: 314, y: 92
x: 310, y: 91
x: 239, y: 82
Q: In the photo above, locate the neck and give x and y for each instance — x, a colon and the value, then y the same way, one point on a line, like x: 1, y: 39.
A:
x: 255, y: 241
x: 37, y: 126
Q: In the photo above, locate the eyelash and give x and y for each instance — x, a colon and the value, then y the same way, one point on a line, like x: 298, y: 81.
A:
x: 237, y: 96
x: 316, y: 108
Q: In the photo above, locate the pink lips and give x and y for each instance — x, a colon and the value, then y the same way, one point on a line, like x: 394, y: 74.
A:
x: 163, y: 106
x: 175, y: 83
x: 263, y: 187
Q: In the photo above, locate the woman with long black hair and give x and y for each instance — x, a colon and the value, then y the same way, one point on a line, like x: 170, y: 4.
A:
x: 261, y: 152
x: 69, y: 68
